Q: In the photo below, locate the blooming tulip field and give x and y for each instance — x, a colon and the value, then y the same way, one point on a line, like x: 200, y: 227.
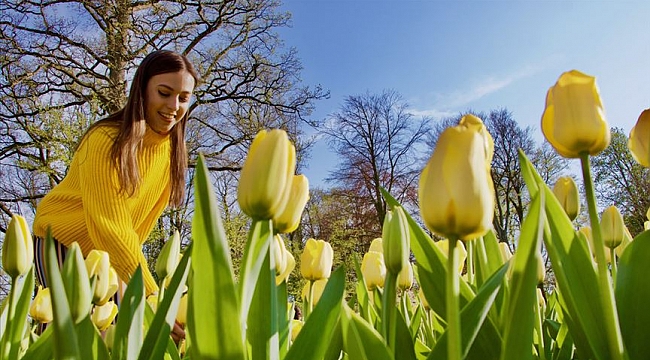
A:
x: 465, y: 297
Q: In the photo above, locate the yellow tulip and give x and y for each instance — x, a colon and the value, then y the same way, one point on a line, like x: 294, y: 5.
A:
x: 405, y: 277
x: 181, y: 315
x: 296, y: 326
x: 540, y: 299
x: 541, y: 269
x: 169, y: 257
x: 41, y: 309
x: 443, y: 245
x: 611, y: 225
x: 18, y: 248
x: 98, y: 266
x: 456, y: 192
x: 265, y: 180
x: 574, y: 119
x: 288, y: 220
x: 396, y: 241
x: 639, y: 142
x: 103, y: 315
x: 377, y: 245
x: 317, y: 290
x: 316, y: 260
x: 373, y: 270
x: 566, y: 192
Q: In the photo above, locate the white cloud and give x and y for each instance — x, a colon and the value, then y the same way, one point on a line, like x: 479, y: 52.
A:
x: 450, y: 104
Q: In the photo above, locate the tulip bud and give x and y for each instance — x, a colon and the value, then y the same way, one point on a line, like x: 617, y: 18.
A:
x: 296, y: 326
x: 373, y: 270
x: 105, y: 278
x: 152, y: 300
x: 405, y: 277
x: 639, y: 142
x: 396, y: 240
x: 181, y: 315
x: 18, y: 248
x: 109, y: 337
x: 77, y: 284
x: 265, y: 180
x: 443, y: 245
x: 290, y: 265
x: 540, y: 299
x: 574, y: 119
x: 169, y: 256
x: 41, y: 309
x: 611, y: 226
x: 279, y: 254
x: 316, y: 260
x: 627, y: 239
x: 456, y: 192
x: 423, y: 300
x: 377, y: 245
x: 541, y: 269
x: 566, y: 192
x: 103, y: 315
x: 317, y: 290
x: 288, y: 220
x: 506, y: 254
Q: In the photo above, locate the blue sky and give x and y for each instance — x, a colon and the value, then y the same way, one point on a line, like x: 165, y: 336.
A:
x: 445, y: 57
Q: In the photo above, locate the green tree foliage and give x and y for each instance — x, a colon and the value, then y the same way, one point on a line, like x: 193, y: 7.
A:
x: 621, y: 181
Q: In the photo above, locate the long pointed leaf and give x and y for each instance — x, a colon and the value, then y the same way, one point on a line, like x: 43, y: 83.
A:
x: 360, y: 340
x: 128, y: 330
x: 213, y: 307
x: 157, y: 338
x: 314, y: 337
x: 633, y: 295
x: 520, y: 318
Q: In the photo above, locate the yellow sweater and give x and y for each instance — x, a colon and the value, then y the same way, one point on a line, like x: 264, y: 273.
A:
x: 88, y: 208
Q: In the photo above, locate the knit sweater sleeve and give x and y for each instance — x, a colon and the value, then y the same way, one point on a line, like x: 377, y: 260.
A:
x: 106, y: 212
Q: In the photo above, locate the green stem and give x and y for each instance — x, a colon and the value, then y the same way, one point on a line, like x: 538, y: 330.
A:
x: 9, y: 351
x: 310, y: 300
x: 607, y: 294
x: 388, y: 309
x: 540, y: 335
x: 612, y: 255
x: 471, y: 253
x: 453, y: 308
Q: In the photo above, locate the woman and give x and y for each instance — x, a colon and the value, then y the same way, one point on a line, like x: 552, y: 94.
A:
x: 127, y: 169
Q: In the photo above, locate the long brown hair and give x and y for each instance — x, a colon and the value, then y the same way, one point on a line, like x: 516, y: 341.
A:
x: 132, y: 126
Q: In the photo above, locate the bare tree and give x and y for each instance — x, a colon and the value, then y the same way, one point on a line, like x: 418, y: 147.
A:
x: 623, y: 182
x: 66, y: 63
x: 378, y: 141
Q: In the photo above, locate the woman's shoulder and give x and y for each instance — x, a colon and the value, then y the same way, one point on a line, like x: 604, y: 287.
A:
x: 101, y: 133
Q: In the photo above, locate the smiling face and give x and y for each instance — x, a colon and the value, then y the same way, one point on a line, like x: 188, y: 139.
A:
x: 167, y: 99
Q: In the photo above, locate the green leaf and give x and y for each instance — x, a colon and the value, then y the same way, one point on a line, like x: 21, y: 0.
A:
x: 92, y: 344
x: 262, y: 329
x: 20, y: 299
x: 128, y: 330
x: 43, y: 347
x: 157, y: 338
x: 432, y: 270
x: 404, y: 346
x: 574, y: 270
x: 315, y: 336
x: 284, y: 322
x: 633, y: 294
x: 260, y: 238
x: 213, y: 308
x: 519, y: 315
x: 473, y: 322
x: 360, y: 340
x: 66, y: 345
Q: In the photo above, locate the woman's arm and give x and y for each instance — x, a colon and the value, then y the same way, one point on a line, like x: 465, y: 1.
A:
x: 110, y: 224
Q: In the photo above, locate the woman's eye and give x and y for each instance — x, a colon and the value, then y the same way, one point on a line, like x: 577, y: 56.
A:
x: 184, y: 99
x: 163, y: 94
